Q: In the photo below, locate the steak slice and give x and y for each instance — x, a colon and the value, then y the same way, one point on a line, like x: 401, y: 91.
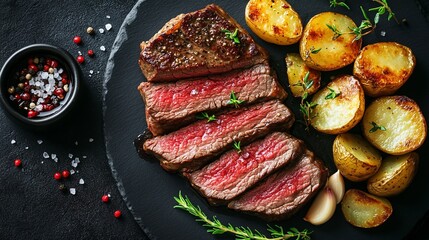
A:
x: 172, y: 105
x: 231, y: 175
x: 285, y: 192
x: 192, y: 146
x: 195, y: 44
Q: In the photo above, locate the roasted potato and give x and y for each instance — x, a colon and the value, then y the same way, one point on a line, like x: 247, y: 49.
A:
x: 274, y: 21
x: 327, y: 42
x: 394, y: 125
x: 364, y: 210
x: 394, y: 175
x: 340, y: 106
x: 296, y: 73
x: 382, y: 68
x: 355, y: 158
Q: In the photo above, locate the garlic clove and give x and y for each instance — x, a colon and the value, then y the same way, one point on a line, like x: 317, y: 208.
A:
x: 323, y: 207
x: 336, y: 183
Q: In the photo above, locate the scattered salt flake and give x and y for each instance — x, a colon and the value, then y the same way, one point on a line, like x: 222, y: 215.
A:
x: 53, y: 155
x: 91, y: 71
x: 91, y: 140
x: 76, y: 143
x: 109, y: 195
x: 101, y: 30
x: 108, y: 26
x: 84, y: 156
x: 70, y: 155
x: 77, y: 160
x: 98, y: 71
x: 72, y: 191
x: 103, y: 48
x: 26, y: 148
x: 45, y: 155
x: 108, y: 16
x: 42, y: 162
x: 81, y: 181
x: 12, y: 141
x: 383, y: 33
x: 79, y: 52
x: 39, y: 141
x: 77, y: 171
x: 74, y: 164
x: 72, y: 172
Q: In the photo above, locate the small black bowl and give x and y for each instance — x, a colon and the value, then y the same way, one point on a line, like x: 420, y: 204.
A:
x: 18, y: 61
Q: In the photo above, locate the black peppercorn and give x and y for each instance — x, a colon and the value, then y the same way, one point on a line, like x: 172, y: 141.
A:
x: 62, y: 188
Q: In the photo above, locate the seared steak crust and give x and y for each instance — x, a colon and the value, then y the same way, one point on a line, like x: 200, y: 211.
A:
x: 234, y: 173
x: 195, y: 44
x: 192, y: 146
x: 172, y: 105
x: 284, y: 192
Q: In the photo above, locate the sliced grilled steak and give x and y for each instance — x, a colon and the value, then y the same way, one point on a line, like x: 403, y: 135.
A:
x: 286, y: 191
x: 195, y: 44
x: 231, y: 175
x: 192, y: 146
x: 172, y: 105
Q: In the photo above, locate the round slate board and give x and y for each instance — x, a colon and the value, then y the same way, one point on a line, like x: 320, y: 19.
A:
x: 149, y: 190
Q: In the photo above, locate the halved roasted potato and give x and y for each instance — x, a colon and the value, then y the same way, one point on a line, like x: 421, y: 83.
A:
x: 327, y: 42
x: 394, y: 125
x: 296, y: 73
x: 274, y: 21
x: 382, y: 68
x: 340, y: 106
x: 365, y: 210
x: 394, y: 176
x: 355, y: 158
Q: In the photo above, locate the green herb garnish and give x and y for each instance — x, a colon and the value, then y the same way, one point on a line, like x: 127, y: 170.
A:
x: 306, y: 107
x: 237, y: 146
x: 233, y: 100
x: 334, y: 3
x: 232, y: 35
x: 215, y: 227
x: 376, y: 127
x: 332, y: 94
x: 315, y: 51
x: 334, y: 29
x: 382, y: 9
x: 205, y: 115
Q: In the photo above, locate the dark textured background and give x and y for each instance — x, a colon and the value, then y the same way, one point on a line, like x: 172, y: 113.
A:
x: 31, y: 206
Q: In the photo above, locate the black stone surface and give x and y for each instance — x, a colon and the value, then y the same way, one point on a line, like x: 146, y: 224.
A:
x: 31, y: 205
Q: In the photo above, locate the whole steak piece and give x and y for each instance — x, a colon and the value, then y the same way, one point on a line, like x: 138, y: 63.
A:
x: 233, y: 173
x: 192, y: 146
x: 285, y: 192
x: 197, y: 44
x: 172, y: 105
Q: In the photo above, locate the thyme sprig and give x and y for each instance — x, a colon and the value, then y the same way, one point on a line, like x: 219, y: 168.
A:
x: 314, y: 50
x: 205, y: 115
x: 334, y: 29
x: 232, y: 35
x: 382, y: 9
x: 237, y: 146
x: 334, y: 3
x: 215, y: 226
x: 332, y: 94
x: 233, y: 100
x: 306, y: 107
x: 376, y: 127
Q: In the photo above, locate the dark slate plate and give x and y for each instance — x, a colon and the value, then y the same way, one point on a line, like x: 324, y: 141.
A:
x: 149, y: 190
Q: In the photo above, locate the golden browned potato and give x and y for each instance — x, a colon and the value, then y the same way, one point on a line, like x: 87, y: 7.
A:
x: 394, y: 175
x: 340, y: 106
x: 394, y: 125
x: 382, y: 68
x: 354, y: 157
x: 296, y: 73
x: 364, y: 210
x: 327, y: 42
x: 274, y: 21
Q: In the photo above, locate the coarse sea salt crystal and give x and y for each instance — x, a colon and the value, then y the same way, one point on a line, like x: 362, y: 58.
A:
x: 45, y: 75
x: 81, y: 181
x: 45, y: 155
x: 72, y: 172
x: 26, y: 148
x: 12, y: 141
x: 383, y: 33
x: 91, y: 140
x: 194, y: 92
x: 84, y: 156
x: 76, y: 143
x: 39, y: 141
x: 101, y: 30
x: 103, y: 48
x: 70, y: 155
x: 74, y: 164
x: 60, y: 70
x: 108, y: 26
x: 108, y: 16
x: 91, y: 71
x: 56, y: 160
x: 72, y: 191
x: 53, y: 155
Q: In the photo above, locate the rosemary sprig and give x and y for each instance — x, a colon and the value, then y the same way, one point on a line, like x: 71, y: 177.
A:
x: 332, y: 94
x: 376, y: 127
x: 233, y: 100
x: 205, y: 115
x: 232, y: 35
x: 382, y: 9
x: 215, y: 227
x: 334, y: 3
x: 237, y: 146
